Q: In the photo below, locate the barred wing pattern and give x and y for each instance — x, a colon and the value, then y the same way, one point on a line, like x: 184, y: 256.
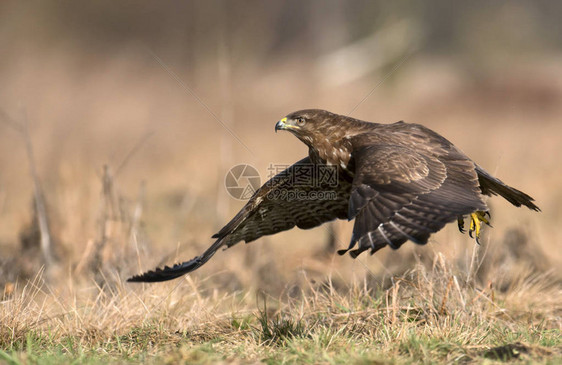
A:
x: 402, y: 194
x: 285, y: 201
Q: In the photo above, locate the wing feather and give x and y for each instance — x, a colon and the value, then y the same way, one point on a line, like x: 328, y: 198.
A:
x: 280, y: 204
x: 402, y: 193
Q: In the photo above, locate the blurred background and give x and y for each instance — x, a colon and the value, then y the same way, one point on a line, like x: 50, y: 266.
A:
x: 135, y: 111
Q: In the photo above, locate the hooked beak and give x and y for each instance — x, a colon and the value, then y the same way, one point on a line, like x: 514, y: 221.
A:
x: 280, y: 125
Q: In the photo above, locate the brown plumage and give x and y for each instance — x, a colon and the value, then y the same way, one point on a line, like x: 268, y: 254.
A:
x: 398, y: 181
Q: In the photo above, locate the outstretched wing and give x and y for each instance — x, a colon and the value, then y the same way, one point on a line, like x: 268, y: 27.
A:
x: 303, y: 195
x: 402, y: 193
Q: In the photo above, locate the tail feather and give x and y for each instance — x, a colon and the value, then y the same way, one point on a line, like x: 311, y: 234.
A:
x: 490, y: 185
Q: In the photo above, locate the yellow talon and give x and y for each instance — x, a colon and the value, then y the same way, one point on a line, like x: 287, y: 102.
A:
x: 476, y: 220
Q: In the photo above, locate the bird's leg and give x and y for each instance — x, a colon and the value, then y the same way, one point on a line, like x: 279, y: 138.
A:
x: 460, y: 221
x: 476, y: 220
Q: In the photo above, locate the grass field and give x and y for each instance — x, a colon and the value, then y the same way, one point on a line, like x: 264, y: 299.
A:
x: 285, y: 298
x: 425, y: 316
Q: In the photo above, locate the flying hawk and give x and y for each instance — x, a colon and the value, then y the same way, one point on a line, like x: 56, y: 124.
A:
x: 398, y: 181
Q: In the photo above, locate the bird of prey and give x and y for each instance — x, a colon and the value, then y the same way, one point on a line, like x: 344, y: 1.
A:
x: 398, y: 181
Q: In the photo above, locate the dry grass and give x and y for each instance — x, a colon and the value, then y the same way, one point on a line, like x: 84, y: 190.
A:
x: 426, y: 315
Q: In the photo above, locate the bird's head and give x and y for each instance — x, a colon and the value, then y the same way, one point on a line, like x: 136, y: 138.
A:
x: 306, y: 124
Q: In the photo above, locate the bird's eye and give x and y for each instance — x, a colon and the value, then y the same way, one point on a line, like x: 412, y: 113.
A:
x: 300, y: 121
